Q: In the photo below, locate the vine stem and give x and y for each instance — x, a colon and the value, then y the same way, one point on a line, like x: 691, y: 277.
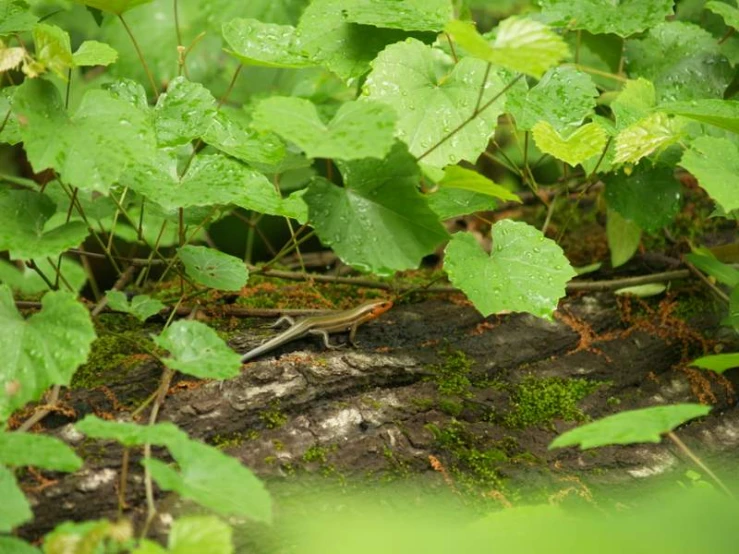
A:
x: 471, y: 118
x: 141, y: 55
x: 697, y: 461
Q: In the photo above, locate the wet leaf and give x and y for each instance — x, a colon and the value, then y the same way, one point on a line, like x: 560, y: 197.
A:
x: 582, y: 144
x: 254, y: 42
x: 214, y: 269
x: 141, y: 306
x: 408, y: 15
x: 715, y: 163
x: 648, y: 135
x: 623, y: 238
x: 622, y: 18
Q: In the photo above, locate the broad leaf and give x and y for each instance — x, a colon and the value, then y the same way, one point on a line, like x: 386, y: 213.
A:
x: 521, y: 45
x: 360, y: 129
x: 623, y: 18
x: 53, y: 48
x: 89, y: 150
x: 634, y: 102
x: 682, y: 60
x: 213, y: 480
x: 23, y: 217
x: 704, y: 260
x: 210, y: 180
x: 30, y: 449
x: 344, y: 48
x: 113, y: 6
x: 43, y: 350
x: 198, y: 351
x: 229, y: 131
x: 729, y: 13
x: 718, y: 362
x: 254, y: 42
x: 654, y: 132
x: 15, y: 17
x: 460, y: 178
x: 195, y: 534
x: 649, y: 196
x: 183, y: 113
x: 92, y: 52
x: 28, y: 281
x: 715, y: 163
x: 721, y: 113
x: 525, y: 272
x: 141, y: 306
x: 214, y: 269
x: 433, y: 96
x: 582, y: 144
x: 563, y: 98
x: 449, y: 203
x: 14, y: 509
x: 623, y: 238
x: 131, y: 434
x: 12, y: 545
x: 378, y: 221
x: 408, y: 15
x: 631, y: 427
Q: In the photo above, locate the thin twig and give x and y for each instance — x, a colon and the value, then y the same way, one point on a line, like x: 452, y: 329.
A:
x: 706, y: 281
x: 141, y: 56
x: 697, y: 461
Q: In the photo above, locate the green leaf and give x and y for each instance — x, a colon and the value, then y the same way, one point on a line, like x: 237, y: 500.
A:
x: 230, y: 133
x: 408, y: 15
x: 521, y: 45
x: 721, y: 113
x: 622, y: 18
x: 656, y: 131
x: 634, y: 102
x: 378, y: 221
x: 183, y: 113
x: 346, y: 49
x: 631, y: 427
x: 23, y: 217
x: 584, y: 143
x: 198, y: 351
x: 715, y: 163
x: 28, y: 281
x: 729, y: 13
x: 643, y: 291
x: 623, y: 238
x: 254, y: 42
x: 360, y: 129
x: 89, y: 150
x: 213, y: 480
x: 15, y: 17
x: 113, y: 6
x: 11, y: 545
x: 29, y: 449
x: 10, y: 133
x: 141, y: 306
x: 704, y: 260
x: 92, y: 52
x: 649, y: 196
x: 14, y: 509
x: 43, y: 350
x: 682, y: 60
x: 53, y: 48
x: 564, y: 98
x: 197, y: 534
x: 718, y: 362
x: 214, y: 269
x: 525, y: 272
x: 449, y: 202
x: 131, y: 434
x: 432, y: 96
x: 460, y: 178
x: 210, y: 180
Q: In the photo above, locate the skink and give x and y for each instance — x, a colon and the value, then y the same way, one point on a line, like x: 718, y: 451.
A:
x: 322, y: 325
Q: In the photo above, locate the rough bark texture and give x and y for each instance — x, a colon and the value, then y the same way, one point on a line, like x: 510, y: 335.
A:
x: 484, y: 397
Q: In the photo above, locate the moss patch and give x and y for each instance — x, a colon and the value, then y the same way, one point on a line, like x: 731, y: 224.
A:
x: 539, y: 401
x: 452, y: 377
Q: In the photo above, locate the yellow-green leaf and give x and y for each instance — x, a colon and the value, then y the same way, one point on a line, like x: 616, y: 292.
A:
x: 645, y: 136
x: 586, y: 142
x: 466, y: 179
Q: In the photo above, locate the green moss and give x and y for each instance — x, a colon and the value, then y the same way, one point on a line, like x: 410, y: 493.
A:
x: 273, y: 417
x: 450, y: 407
x: 539, y: 401
x: 452, y: 377
x: 316, y: 453
x: 471, y: 466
